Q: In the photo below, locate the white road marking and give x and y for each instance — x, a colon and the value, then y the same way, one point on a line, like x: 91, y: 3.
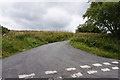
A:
x: 50, y: 72
x: 97, y: 64
x: 105, y: 69
x: 115, y: 62
x: 71, y: 69
x: 77, y: 75
x: 85, y: 66
x: 27, y: 75
x: 106, y: 63
x: 91, y: 72
x: 115, y: 68
x: 59, y: 77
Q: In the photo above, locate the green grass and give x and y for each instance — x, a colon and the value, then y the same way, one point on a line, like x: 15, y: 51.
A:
x: 18, y: 41
x: 99, y: 44
x: 102, y: 45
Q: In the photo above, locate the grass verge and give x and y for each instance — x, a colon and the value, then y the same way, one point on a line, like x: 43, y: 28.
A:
x: 98, y: 44
x: 18, y: 41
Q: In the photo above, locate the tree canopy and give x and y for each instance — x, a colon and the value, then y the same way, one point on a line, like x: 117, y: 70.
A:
x: 4, y: 29
x: 105, y: 15
x: 87, y: 27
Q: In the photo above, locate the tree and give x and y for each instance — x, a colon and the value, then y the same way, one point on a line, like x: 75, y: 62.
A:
x: 4, y: 30
x: 87, y: 27
x: 105, y: 15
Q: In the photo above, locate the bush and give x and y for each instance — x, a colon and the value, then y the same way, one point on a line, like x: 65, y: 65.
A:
x: 4, y: 30
x: 18, y: 41
x: 88, y: 28
x: 103, y: 43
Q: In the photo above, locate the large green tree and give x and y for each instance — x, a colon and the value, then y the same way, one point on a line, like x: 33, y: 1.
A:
x: 105, y: 15
x: 87, y: 27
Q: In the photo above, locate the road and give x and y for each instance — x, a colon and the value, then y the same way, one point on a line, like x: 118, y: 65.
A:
x: 58, y: 60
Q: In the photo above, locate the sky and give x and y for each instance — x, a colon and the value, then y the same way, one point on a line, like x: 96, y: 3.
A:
x: 52, y: 16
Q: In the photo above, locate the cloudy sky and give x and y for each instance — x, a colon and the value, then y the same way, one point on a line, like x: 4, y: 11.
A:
x: 57, y: 16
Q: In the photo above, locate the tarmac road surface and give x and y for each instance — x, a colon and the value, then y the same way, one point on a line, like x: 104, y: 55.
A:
x: 58, y: 60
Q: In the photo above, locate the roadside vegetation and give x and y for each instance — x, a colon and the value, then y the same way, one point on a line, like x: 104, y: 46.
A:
x: 4, y: 30
x: 93, y: 37
x: 99, y: 44
x: 18, y: 41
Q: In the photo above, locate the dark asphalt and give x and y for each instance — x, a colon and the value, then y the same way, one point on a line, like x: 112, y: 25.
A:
x: 56, y: 56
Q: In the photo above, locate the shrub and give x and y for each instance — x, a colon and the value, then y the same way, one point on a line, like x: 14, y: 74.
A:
x: 106, y: 45
x: 4, y: 30
x: 18, y: 41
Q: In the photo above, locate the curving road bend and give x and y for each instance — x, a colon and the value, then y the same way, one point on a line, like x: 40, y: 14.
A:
x: 58, y: 60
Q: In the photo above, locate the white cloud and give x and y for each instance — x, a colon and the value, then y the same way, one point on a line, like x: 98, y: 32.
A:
x: 43, y: 15
x: 58, y: 16
x: 44, y: 0
x: 76, y: 20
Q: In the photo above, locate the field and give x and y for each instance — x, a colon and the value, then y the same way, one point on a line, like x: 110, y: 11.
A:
x: 100, y: 44
x: 19, y: 41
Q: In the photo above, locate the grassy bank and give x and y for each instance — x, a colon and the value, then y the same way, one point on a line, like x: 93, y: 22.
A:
x: 19, y: 41
x: 99, y: 44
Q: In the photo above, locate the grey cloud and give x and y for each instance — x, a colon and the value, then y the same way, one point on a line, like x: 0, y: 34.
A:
x: 42, y: 15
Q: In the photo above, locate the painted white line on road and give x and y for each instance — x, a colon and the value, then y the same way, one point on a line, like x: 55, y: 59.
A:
x: 115, y: 68
x: 97, y: 64
x: 59, y: 77
x: 77, y: 75
x: 50, y: 72
x: 71, y: 69
x: 115, y: 62
x: 27, y: 75
x: 106, y: 63
x: 85, y: 66
x: 92, y: 72
x: 105, y: 69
